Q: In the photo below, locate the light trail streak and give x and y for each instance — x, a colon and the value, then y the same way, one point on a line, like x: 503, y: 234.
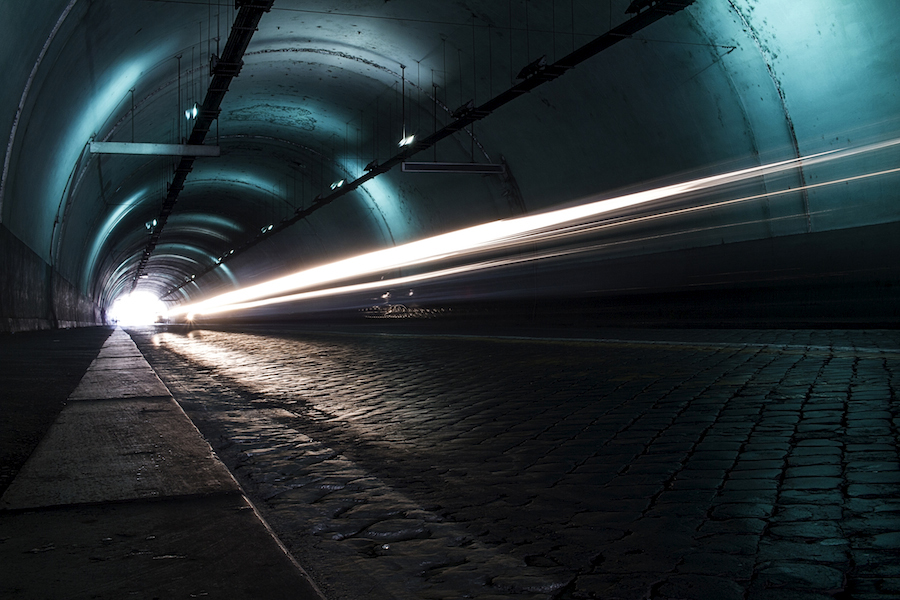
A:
x: 584, y: 228
x: 500, y: 235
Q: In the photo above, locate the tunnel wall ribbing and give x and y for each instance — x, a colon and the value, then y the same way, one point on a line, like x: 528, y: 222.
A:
x: 33, y: 295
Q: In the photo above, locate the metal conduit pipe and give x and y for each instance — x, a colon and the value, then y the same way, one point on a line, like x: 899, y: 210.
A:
x: 223, y: 70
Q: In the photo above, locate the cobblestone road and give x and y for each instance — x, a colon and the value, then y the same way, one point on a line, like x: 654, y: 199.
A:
x: 660, y: 464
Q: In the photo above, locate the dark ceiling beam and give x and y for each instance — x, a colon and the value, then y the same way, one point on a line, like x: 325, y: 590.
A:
x: 532, y: 75
x: 223, y: 69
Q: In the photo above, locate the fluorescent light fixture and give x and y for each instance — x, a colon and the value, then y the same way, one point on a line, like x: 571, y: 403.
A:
x: 337, y: 184
x: 192, y: 112
x: 145, y: 149
x: 407, y: 140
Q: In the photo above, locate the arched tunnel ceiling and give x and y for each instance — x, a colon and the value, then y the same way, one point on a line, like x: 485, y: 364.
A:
x: 326, y: 88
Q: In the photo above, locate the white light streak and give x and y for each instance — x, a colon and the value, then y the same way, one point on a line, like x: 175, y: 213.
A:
x: 495, y: 235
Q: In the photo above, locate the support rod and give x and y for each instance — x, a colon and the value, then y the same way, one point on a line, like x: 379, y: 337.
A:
x: 223, y: 70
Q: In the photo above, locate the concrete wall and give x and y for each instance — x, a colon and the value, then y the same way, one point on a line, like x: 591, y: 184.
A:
x: 34, y: 296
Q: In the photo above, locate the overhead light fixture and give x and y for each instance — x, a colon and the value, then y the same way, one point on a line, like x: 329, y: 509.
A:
x: 407, y: 140
x: 146, y: 149
x: 192, y: 112
x: 337, y: 184
x: 371, y: 166
x: 270, y: 228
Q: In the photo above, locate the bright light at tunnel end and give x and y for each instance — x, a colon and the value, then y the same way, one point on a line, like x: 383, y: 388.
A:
x: 138, y: 308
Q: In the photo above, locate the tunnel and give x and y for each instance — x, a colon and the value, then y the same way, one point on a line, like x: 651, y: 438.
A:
x: 324, y: 92
x: 713, y: 179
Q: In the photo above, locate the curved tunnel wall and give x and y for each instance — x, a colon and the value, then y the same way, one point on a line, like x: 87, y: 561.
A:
x: 720, y: 85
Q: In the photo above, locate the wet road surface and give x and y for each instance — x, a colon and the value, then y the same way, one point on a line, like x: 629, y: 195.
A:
x: 647, y: 464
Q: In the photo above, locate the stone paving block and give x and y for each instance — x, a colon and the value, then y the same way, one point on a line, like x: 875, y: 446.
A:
x: 817, y: 530
x: 822, y: 470
x: 802, y: 576
x: 873, y: 505
x: 887, y: 541
x: 701, y: 464
x: 742, y: 510
x: 634, y: 586
x: 807, y: 496
x: 700, y: 587
x: 811, y: 483
x: 757, y: 465
x: 813, y: 460
x: 730, y: 543
x: 873, y: 477
x: 734, y: 525
x: 747, y: 496
x: 750, y: 484
x: 873, y: 490
x: 733, y: 566
x: 833, y: 550
x: 870, y: 525
x: 808, y: 512
x: 872, y: 466
x: 870, y: 447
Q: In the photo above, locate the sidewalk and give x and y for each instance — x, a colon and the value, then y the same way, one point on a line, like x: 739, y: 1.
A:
x: 124, y: 498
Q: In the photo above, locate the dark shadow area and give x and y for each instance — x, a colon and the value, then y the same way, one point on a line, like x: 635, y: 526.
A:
x: 40, y: 370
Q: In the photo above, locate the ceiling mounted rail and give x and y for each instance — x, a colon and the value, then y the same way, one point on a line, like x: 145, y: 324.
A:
x: 532, y: 75
x: 223, y: 69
